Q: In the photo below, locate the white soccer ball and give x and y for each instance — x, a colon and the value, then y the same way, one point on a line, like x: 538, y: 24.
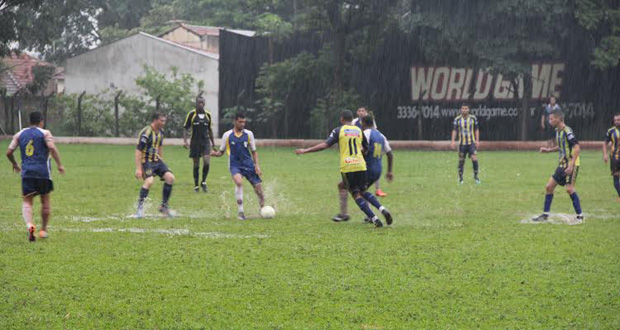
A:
x: 267, y: 212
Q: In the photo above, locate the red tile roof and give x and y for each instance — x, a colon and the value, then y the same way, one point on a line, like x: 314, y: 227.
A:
x: 19, y: 73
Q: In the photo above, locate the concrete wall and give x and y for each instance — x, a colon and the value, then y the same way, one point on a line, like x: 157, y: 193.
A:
x: 120, y: 63
x: 209, y: 43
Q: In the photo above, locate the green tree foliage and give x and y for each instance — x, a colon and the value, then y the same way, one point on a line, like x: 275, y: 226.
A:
x: 601, y: 19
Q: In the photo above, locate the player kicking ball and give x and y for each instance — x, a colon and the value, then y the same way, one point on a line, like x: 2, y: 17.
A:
x: 240, y: 146
x: 568, y: 168
x: 149, y: 162
x: 353, y: 144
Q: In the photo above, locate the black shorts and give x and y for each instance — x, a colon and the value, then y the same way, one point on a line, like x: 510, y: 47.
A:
x: 372, y: 177
x: 614, y: 165
x: 563, y: 179
x: 31, y: 186
x: 158, y: 168
x: 355, y: 182
x: 466, y: 149
x: 199, y: 149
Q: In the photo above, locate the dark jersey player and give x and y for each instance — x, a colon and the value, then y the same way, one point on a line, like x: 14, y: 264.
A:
x: 240, y: 146
x: 612, y: 139
x: 378, y: 145
x: 466, y: 128
x: 149, y: 163
x: 198, y: 124
x: 35, y: 145
x: 352, y: 145
x: 361, y: 113
x: 568, y: 168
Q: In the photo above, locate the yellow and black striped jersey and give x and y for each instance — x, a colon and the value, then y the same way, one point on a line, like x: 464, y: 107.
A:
x: 613, y: 137
x: 200, y: 125
x: 566, y: 141
x: 352, y: 143
x: 465, y: 128
x: 149, y: 142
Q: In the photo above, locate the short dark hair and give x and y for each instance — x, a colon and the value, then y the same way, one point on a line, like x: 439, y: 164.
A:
x: 35, y: 117
x: 239, y: 115
x: 616, y: 115
x: 465, y: 105
x: 368, y: 121
x: 156, y: 116
x: 199, y: 99
x: 346, y: 115
x: 558, y: 113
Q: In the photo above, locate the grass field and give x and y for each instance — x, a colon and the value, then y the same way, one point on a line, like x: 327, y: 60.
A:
x: 457, y: 257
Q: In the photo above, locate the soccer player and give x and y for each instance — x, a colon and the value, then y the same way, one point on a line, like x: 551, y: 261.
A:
x: 35, y: 145
x: 568, y: 168
x: 466, y: 126
x: 544, y: 121
x: 352, y: 165
x: 377, y: 146
x: 361, y: 113
x: 149, y: 162
x: 198, y: 122
x: 240, y: 147
x: 613, y: 139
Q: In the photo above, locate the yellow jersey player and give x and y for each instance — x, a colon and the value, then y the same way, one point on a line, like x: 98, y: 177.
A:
x: 568, y: 168
x: 353, y: 145
x: 466, y: 127
x: 613, y: 139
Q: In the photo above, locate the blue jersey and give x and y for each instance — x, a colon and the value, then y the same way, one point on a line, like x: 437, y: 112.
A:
x: 377, y: 146
x: 239, y: 148
x: 32, y: 143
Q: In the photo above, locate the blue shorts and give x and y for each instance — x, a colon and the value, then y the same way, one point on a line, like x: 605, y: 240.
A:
x: 32, y: 186
x: 467, y: 149
x: 158, y: 168
x: 249, y: 174
x: 372, y: 177
x: 563, y: 179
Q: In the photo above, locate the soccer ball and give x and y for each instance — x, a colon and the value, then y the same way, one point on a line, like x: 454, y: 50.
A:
x: 267, y: 212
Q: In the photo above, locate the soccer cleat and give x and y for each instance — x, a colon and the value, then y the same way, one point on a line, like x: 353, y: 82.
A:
x: 204, y: 187
x: 42, y: 234
x: 31, y: 231
x: 580, y: 218
x: 460, y: 182
x: 367, y: 220
x: 477, y: 180
x: 541, y: 218
x: 196, y: 189
x: 380, y: 193
x: 388, y: 216
x: 341, y: 217
x: 164, y: 210
x: 139, y: 213
x: 241, y: 216
x: 377, y: 222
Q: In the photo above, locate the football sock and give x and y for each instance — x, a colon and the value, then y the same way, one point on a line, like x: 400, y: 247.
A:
x: 27, y: 213
x: 166, y: 193
x: 143, y: 194
x: 239, y: 196
x: 343, y: 200
x: 475, y: 163
x: 617, y: 183
x: 461, y: 164
x: 371, y: 199
x: 205, y: 172
x: 576, y: 203
x: 377, y: 185
x: 361, y: 202
x: 196, y: 174
x: 548, y: 200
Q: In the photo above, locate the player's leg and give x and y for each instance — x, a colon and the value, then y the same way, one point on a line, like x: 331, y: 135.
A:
x: 195, y: 168
x: 615, y: 172
x: 258, y: 189
x: 144, y: 193
x: 206, y: 164
x: 46, y: 212
x: 461, y: 164
x: 27, y: 214
x: 570, y: 189
x: 357, y: 182
x: 378, y: 191
x: 474, y: 162
x: 549, y: 189
x: 343, y: 194
x: 238, y: 180
x: 168, y: 178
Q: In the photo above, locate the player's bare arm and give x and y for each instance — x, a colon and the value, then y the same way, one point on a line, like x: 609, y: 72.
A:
x: 571, y: 164
x: 185, y: 135
x: 390, y: 160
x: 137, y: 158
x: 545, y: 149
x: 477, y: 137
x: 605, y: 157
x: 11, y: 157
x: 256, y: 166
x: 452, y: 139
x: 318, y: 147
x: 56, y: 155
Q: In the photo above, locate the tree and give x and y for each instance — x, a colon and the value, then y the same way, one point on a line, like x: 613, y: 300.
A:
x: 601, y: 19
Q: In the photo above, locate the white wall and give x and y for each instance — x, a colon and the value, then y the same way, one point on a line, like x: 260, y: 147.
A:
x: 121, y: 62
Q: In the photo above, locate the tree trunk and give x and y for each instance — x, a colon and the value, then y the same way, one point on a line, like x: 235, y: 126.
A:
x: 79, y: 114
x: 116, y: 125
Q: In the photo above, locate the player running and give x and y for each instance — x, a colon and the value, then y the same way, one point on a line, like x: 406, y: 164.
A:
x: 35, y: 145
x: 240, y: 147
x: 377, y: 146
x: 613, y: 139
x: 466, y: 126
x: 568, y: 168
x: 198, y: 122
x: 149, y: 162
x: 352, y: 144
x: 361, y: 113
